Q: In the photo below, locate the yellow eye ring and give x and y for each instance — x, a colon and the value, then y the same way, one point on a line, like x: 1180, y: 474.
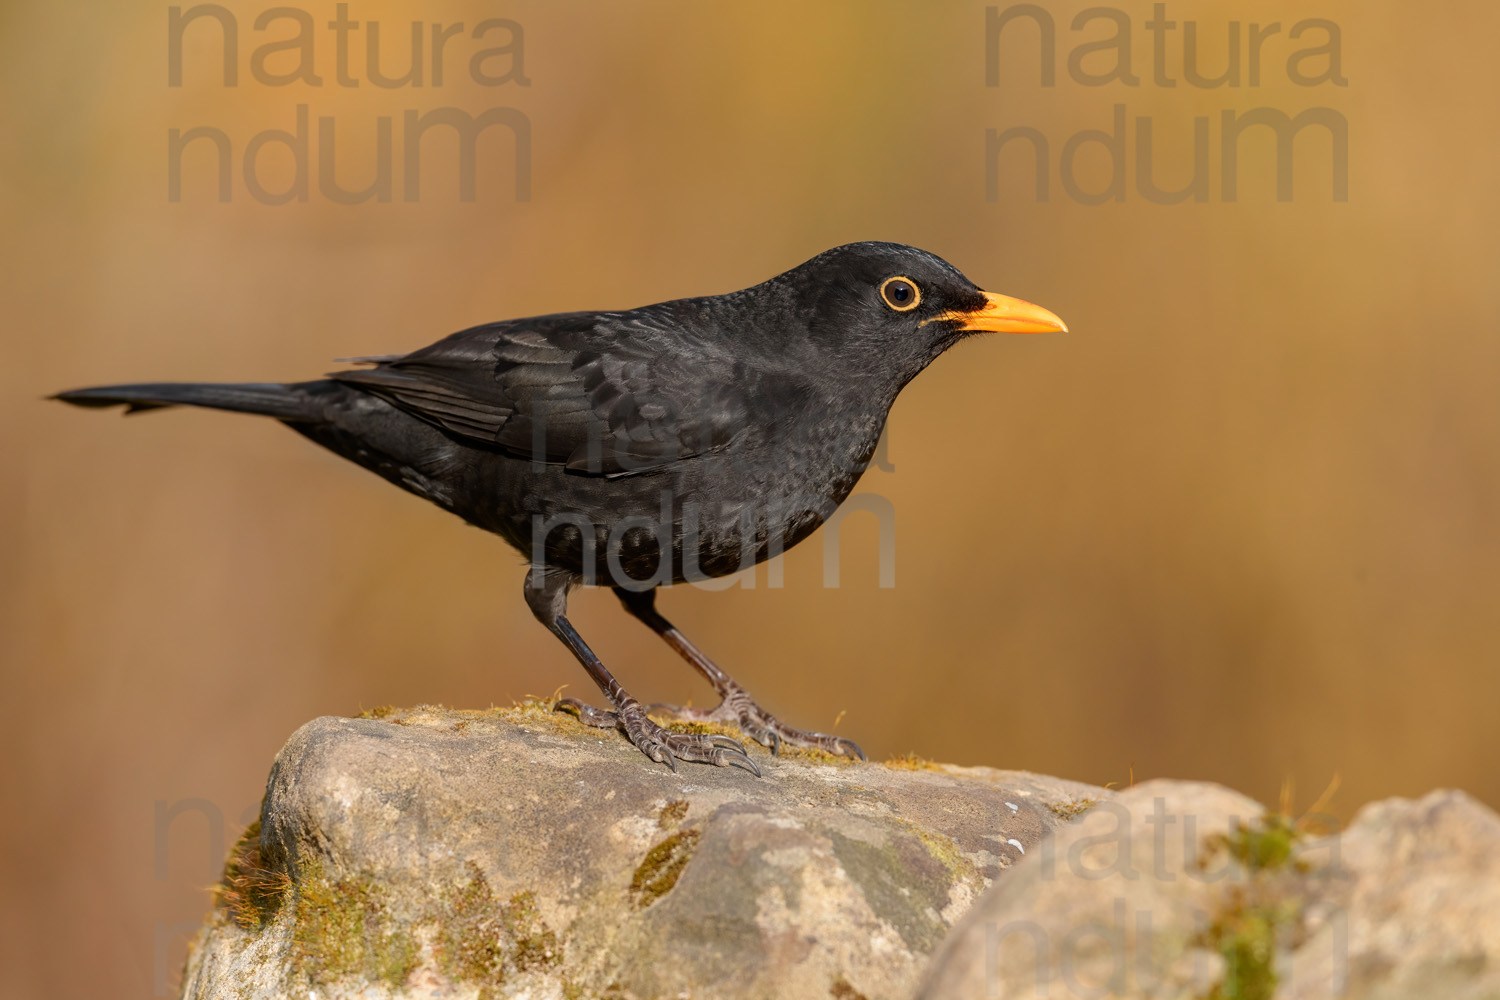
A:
x: 901, y: 293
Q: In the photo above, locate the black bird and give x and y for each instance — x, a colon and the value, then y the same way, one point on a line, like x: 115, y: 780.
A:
x: 675, y: 442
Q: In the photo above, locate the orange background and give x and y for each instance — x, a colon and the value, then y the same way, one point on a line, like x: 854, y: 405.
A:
x: 1242, y: 524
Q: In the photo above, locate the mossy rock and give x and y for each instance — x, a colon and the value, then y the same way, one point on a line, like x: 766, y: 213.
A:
x: 514, y: 851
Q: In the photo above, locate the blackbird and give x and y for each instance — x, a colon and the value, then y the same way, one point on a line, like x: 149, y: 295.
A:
x: 682, y: 441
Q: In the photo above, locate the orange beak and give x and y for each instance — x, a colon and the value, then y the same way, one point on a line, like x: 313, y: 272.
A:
x: 1003, y: 314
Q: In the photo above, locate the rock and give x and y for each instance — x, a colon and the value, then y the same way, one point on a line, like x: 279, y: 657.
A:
x: 1175, y: 889
x: 1415, y: 912
x: 517, y: 853
x: 1067, y: 920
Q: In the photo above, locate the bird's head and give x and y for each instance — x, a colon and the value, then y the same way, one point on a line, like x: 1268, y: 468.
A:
x: 898, y: 308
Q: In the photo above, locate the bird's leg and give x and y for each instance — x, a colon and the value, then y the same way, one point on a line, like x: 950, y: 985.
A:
x: 736, y: 707
x: 548, y: 599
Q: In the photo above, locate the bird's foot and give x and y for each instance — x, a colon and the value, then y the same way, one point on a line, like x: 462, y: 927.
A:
x: 740, y: 710
x: 661, y: 745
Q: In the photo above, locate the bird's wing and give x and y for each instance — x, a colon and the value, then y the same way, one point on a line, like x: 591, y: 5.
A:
x: 595, y: 392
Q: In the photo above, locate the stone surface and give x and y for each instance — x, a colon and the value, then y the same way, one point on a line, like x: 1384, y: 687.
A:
x: 1418, y: 905
x: 1187, y: 890
x: 517, y: 853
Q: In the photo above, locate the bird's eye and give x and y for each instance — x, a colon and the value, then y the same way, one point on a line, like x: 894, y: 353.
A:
x: 901, y: 294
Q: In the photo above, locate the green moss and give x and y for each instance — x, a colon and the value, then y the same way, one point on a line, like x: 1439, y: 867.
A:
x: 531, y: 709
x: 250, y: 893
x: 816, y: 756
x: 1264, y: 846
x: 1071, y: 809
x: 673, y: 724
x: 394, y: 715
x: 533, y: 945
x: 662, y: 866
x: 539, y: 712
x: 481, y: 941
x: 947, y: 852
x: 672, y: 815
x: 395, y: 956
x: 1245, y: 932
x: 1247, y: 940
x: 343, y: 928
x: 468, y: 943
x: 911, y: 762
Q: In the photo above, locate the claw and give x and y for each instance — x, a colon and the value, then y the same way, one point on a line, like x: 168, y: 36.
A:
x: 736, y: 759
x: 658, y: 744
x: 666, y: 758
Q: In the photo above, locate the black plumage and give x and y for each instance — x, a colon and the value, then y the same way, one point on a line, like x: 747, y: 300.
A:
x: 678, y: 441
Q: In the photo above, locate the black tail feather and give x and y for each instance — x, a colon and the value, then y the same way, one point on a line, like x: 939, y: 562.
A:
x: 272, y: 399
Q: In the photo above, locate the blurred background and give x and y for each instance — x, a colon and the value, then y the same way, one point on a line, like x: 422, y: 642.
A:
x: 1242, y: 524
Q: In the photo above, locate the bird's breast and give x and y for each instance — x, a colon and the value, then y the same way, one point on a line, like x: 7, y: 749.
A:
x: 697, y: 518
